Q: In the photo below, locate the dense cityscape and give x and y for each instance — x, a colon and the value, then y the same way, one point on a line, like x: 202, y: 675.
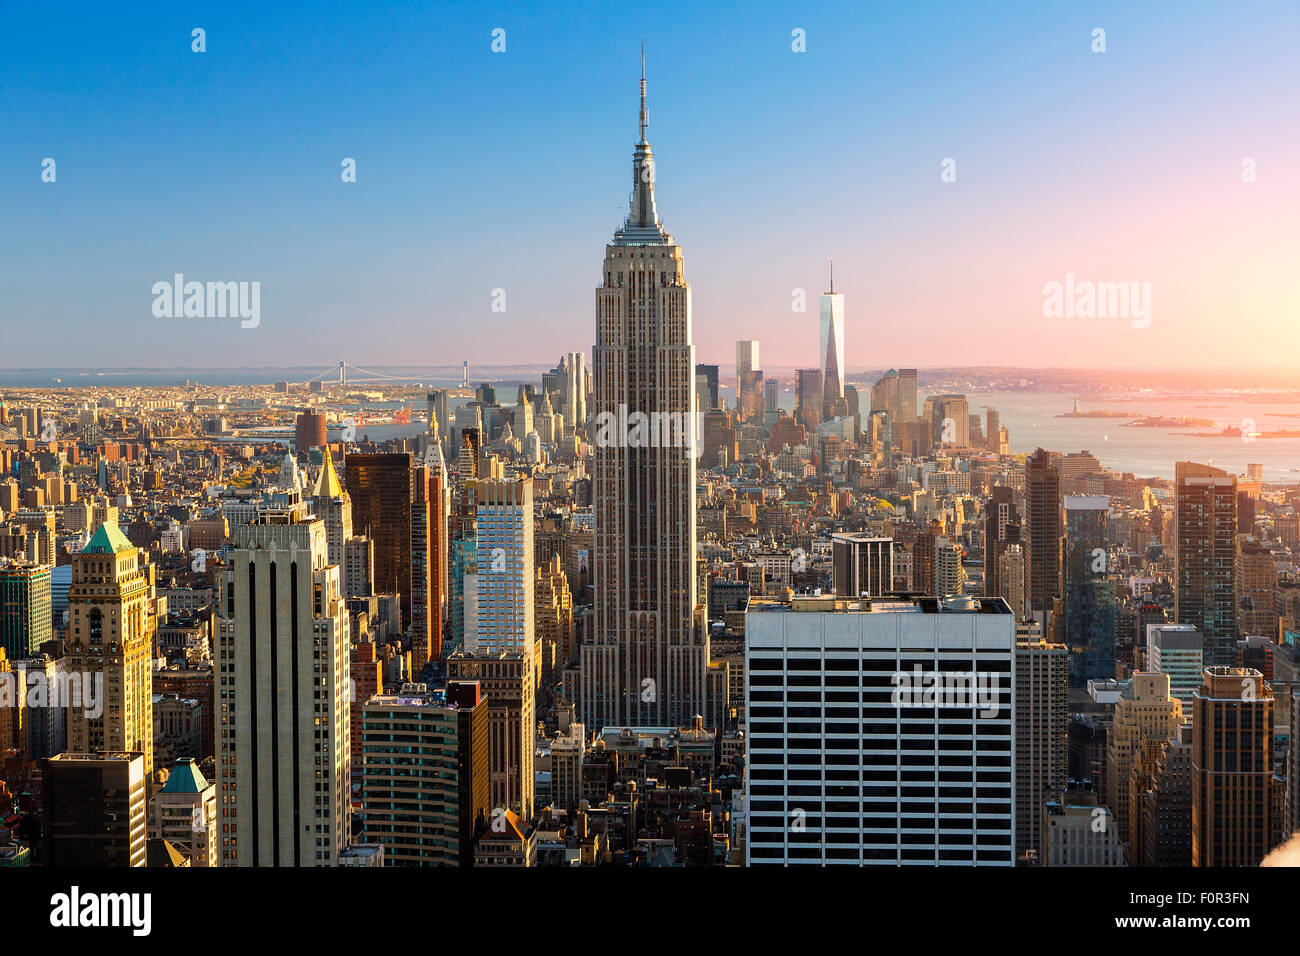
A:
x: 635, y: 610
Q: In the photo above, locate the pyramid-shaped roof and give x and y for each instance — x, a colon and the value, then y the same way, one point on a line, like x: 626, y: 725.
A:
x: 109, y: 539
x: 185, y: 778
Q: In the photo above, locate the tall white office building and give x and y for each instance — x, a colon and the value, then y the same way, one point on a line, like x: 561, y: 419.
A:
x: 851, y: 761
x: 282, y: 707
x: 503, y: 611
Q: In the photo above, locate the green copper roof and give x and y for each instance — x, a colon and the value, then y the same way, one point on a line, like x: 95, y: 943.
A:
x: 109, y: 539
x: 185, y: 778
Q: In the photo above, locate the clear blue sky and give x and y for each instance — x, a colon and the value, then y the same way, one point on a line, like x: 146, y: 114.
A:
x: 479, y: 171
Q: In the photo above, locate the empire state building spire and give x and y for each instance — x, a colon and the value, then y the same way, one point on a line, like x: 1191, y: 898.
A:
x: 643, y: 226
x: 645, y: 115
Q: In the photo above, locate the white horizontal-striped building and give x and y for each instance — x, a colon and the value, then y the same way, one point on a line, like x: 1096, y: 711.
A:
x: 880, y: 732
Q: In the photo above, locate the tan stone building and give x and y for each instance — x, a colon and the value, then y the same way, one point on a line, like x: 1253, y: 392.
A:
x: 110, y: 636
x: 1145, y: 709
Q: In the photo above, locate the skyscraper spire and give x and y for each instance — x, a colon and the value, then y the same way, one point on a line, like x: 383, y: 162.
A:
x: 642, y: 226
x: 832, y: 276
x: 645, y: 117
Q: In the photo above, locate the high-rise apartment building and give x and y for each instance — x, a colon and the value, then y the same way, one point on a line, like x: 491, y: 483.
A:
x: 1042, y: 731
x: 949, y: 575
x: 110, y: 637
x: 424, y: 773
x: 283, y: 724
x: 506, y: 576
x: 24, y: 608
x: 1232, y: 768
x: 647, y: 660
x: 851, y: 761
x: 1205, y: 557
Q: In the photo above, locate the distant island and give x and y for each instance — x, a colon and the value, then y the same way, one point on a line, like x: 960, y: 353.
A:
x: 1231, y: 431
x: 1097, y: 413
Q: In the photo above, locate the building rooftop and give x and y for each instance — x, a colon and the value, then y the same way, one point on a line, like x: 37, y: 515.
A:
x: 109, y: 539
x: 185, y: 778
x: 890, y: 604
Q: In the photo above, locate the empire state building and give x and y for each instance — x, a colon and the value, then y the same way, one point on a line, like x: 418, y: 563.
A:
x: 645, y: 660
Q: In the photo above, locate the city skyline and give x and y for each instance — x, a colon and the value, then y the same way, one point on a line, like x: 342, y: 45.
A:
x: 829, y: 606
x: 1067, y: 163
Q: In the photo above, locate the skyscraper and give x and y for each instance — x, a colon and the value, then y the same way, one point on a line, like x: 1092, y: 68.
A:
x: 907, y: 395
x: 309, y: 431
x: 24, y: 608
x: 1042, y: 729
x: 808, y: 397
x: 950, y: 420
x: 506, y: 577
x: 1043, y: 503
x: 1001, y: 531
x: 333, y: 505
x: 648, y: 661
x: 1205, y: 556
x: 1232, y: 768
x: 749, y: 379
x: 1144, y: 710
x: 862, y: 565
x: 382, y: 490
x: 284, y: 731
x: 508, y: 681
x: 424, y: 783
x: 1091, y: 608
x: 1179, y: 651
x: 110, y: 640
x: 94, y: 809
x: 899, y: 777
x: 428, y: 560
x: 709, y: 374
x: 831, y: 353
